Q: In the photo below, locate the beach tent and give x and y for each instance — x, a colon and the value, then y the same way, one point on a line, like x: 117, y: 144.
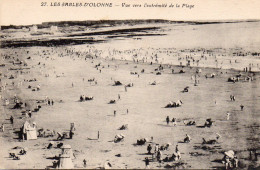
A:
x: 65, y: 161
x: 29, y: 131
x: 32, y: 132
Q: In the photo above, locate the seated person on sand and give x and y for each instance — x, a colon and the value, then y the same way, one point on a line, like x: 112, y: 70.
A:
x: 23, y: 151
x: 174, y: 157
x: 112, y: 102
x: 187, y: 139
x: 119, y: 138
x: 189, y: 123
x: 165, y: 146
x: 82, y: 98
x: 182, y: 71
x: 50, y: 145
x: 61, y: 136
x: 212, y: 141
x: 153, y: 83
x: 124, y: 127
x: 208, y: 123
x: 89, y: 98
x: 141, y: 141
x: 186, y: 89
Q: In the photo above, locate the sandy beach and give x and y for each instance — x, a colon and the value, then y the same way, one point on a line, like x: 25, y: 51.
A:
x: 64, y: 73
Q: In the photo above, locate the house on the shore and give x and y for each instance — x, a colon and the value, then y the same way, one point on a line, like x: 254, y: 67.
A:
x: 34, y: 28
x: 54, y: 28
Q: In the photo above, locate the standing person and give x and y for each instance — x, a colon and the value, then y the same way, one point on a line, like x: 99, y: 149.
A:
x: 72, y: 127
x: 114, y: 113
x: 147, y: 162
x: 159, y: 157
x: 178, y: 155
x: 126, y: 111
x: 149, y: 148
x: 98, y: 135
x: 176, y: 148
x: 118, y: 96
x: 167, y: 120
x: 242, y: 107
x: 174, y: 121
x: 71, y: 134
x: 84, y: 163
x: 2, y: 128
x: 156, y: 148
x: 12, y: 120
x: 187, y: 139
x: 228, y: 115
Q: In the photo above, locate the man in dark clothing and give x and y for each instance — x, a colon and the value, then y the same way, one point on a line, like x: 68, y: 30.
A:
x: 147, y: 162
x: 71, y: 134
x: 167, y: 120
x: 12, y: 120
x: 149, y: 148
x: 242, y: 107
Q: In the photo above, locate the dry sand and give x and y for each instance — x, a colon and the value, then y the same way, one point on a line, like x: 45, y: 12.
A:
x: 146, y: 115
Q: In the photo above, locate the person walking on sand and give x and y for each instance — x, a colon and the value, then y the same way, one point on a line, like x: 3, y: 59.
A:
x: 127, y: 111
x: 119, y: 97
x: 12, y: 120
x: 167, y: 120
x: 114, y: 113
x: 98, y: 135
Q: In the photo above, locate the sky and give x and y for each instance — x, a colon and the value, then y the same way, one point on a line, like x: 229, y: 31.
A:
x: 27, y: 12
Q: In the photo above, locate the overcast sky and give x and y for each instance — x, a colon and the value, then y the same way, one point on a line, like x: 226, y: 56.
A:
x: 25, y: 12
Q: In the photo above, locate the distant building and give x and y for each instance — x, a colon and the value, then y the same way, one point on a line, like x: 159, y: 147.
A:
x: 34, y: 28
x: 54, y: 28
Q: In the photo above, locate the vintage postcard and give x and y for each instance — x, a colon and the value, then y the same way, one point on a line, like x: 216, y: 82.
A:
x: 129, y: 84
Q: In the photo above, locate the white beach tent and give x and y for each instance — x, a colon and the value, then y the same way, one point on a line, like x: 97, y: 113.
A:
x: 30, y: 131
x: 65, y: 161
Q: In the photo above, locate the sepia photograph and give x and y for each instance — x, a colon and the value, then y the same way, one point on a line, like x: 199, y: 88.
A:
x: 134, y: 84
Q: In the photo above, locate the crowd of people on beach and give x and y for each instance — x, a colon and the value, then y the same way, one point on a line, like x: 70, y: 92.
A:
x: 154, y: 150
